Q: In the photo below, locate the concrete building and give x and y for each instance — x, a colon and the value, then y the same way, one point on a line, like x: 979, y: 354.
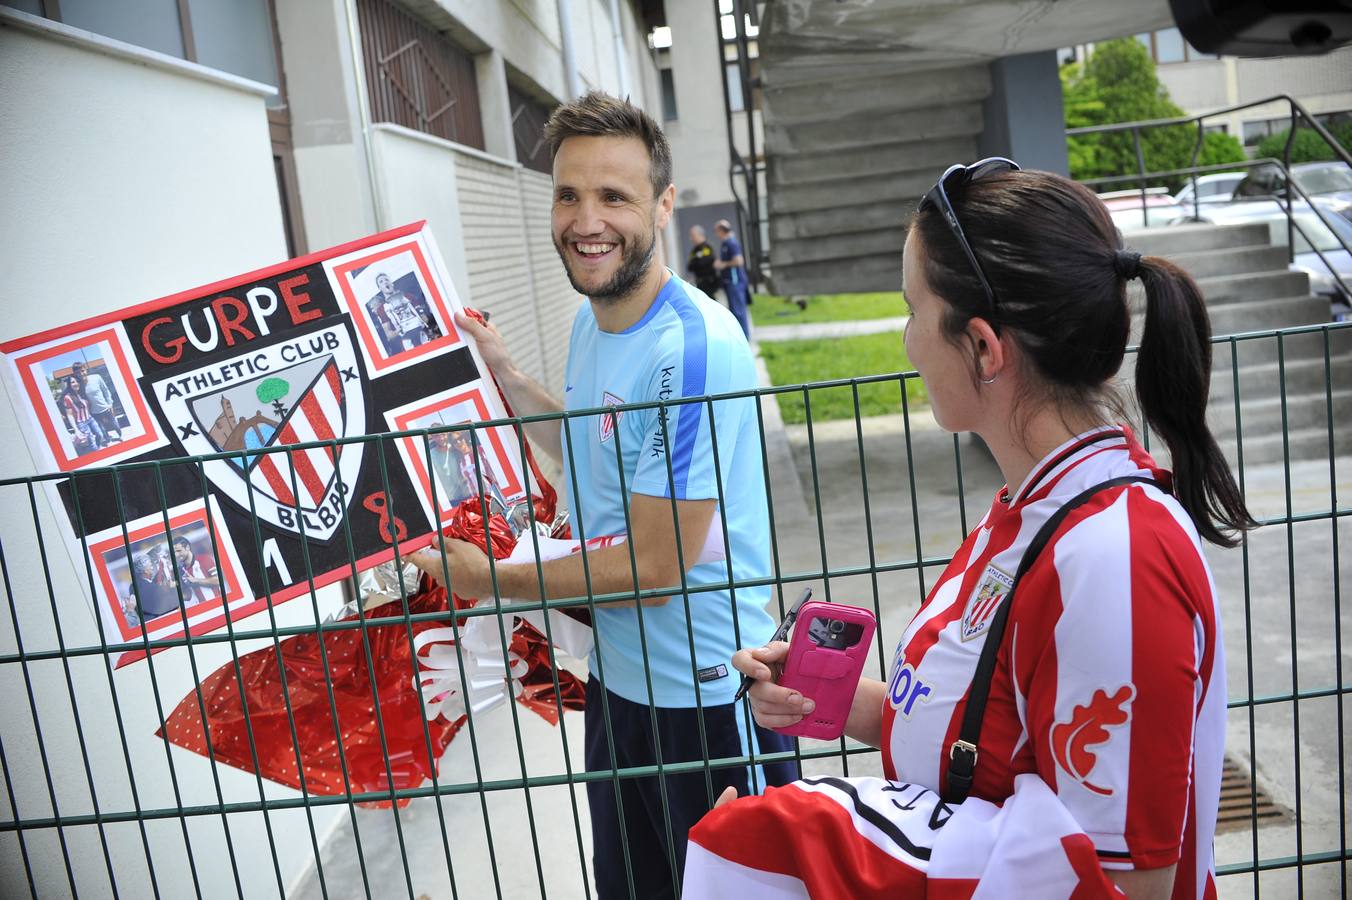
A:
x: 1201, y: 82
x: 703, y: 131
x: 153, y: 149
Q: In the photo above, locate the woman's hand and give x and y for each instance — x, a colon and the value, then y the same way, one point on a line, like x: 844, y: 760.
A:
x: 772, y: 705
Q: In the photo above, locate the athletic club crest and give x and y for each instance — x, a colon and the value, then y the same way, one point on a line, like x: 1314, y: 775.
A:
x: 301, y: 390
x: 985, y: 600
x: 609, y: 420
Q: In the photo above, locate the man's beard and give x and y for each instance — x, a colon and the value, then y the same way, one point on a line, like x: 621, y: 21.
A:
x: 634, y: 264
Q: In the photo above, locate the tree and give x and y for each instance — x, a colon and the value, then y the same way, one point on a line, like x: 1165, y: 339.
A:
x: 1308, y: 145
x: 1118, y: 83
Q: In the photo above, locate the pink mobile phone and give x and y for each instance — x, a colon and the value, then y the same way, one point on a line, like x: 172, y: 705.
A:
x: 826, y: 656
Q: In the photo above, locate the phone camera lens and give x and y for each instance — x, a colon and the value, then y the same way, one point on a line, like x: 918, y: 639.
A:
x: 836, y: 626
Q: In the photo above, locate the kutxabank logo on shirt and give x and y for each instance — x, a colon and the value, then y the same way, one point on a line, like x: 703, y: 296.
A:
x: 296, y: 391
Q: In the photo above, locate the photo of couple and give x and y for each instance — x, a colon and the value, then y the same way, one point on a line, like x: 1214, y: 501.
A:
x: 90, y: 408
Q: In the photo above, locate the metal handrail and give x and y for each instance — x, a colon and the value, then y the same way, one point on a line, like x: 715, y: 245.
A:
x: 1295, y: 105
x: 1299, y: 116
x: 1293, y: 227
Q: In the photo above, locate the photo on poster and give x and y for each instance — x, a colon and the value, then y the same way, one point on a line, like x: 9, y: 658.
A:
x: 397, y: 303
x: 152, y: 578
x: 448, y: 454
x: 83, y: 396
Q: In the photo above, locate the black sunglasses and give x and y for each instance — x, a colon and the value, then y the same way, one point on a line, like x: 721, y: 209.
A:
x: 955, y: 177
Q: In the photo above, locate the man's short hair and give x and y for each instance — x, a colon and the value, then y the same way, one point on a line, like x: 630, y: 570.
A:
x: 181, y: 540
x: 597, y: 114
x: 722, y: 225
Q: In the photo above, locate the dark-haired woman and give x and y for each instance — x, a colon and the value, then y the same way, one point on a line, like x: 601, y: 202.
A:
x: 79, y: 421
x: 1108, y: 679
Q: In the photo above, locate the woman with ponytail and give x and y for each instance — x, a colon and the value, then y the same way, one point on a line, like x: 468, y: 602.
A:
x: 1075, y: 637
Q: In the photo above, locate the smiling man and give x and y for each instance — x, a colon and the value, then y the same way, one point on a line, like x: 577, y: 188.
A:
x: 660, y: 689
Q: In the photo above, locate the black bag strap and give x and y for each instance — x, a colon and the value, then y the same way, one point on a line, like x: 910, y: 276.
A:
x: 962, y: 754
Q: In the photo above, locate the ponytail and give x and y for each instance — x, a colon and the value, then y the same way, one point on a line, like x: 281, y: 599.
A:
x: 1173, y: 378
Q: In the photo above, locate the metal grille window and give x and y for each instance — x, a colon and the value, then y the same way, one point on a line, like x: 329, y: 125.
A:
x: 528, y: 130
x: 418, y: 77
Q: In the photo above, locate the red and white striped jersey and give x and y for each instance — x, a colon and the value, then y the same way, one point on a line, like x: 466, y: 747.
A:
x: 1110, y: 682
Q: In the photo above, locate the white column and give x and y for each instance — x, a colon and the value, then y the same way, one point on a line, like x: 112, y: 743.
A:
x: 495, y: 105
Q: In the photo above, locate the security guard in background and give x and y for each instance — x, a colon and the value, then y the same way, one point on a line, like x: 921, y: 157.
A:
x: 700, y: 265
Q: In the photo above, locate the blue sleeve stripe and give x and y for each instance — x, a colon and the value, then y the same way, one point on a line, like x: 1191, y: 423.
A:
x: 688, y: 416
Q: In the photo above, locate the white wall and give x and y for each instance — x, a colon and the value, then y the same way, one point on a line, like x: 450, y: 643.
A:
x: 126, y: 176
x: 329, y: 150
x: 491, y: 222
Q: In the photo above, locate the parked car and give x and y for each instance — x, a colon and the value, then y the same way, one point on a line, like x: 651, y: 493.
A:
x: 1332, y: 236
x: 1331, y: 180
x: 1129, y: 215
x: 1217, y: 187
x: 1255, y: 197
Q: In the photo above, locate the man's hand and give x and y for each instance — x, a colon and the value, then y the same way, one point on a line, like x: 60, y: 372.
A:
x: 527, y: 396
x: 489, y: 340
x: 467, y: 564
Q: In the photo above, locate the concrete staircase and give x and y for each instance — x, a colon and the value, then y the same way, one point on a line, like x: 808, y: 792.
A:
x: 1248, y: 288
x: 852, y: 155
x: 866, y: 101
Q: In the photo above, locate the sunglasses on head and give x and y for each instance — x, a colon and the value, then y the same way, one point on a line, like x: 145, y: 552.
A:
x: 955, y: 177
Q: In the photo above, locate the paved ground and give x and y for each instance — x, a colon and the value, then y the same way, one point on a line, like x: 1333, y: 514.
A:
x: 1290, y: 574
x: 827, y: 329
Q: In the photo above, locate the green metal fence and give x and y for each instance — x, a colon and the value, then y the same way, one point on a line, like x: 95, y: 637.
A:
x: 864, y: 510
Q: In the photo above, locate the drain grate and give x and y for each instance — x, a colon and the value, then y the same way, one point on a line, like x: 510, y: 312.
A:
x: 1241, y: 805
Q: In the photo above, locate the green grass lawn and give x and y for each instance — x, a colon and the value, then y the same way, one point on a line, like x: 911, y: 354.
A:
x: 771, y: 309
x: 828, y: 359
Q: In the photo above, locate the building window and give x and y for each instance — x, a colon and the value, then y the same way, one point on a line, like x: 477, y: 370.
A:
x: 418, y: 77
x: 236, y: 37
x: 1255, y: 131
x: 1168, y: 46
x: 668, y: 96
x: 239, y: 37
x: 528, y: 130
x: 1222, y: 128
x: 735, y: 99
x: 153, y: 24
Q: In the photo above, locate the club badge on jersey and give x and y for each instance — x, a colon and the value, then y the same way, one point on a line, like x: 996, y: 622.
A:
x: 609, y: 420
x: 985, y: 600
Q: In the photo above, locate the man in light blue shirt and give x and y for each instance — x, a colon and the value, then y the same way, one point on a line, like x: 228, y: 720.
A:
x: 668, y: 476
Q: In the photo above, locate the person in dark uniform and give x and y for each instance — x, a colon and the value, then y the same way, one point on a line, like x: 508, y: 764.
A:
x: 731, y: 264
x: 700, y: 264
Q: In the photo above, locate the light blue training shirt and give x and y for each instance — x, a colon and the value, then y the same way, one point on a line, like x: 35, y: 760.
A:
x: 686, y: 345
